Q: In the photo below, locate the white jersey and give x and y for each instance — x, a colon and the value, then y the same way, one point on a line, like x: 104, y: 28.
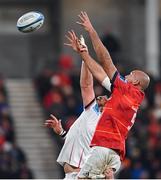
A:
x: 77, y: 142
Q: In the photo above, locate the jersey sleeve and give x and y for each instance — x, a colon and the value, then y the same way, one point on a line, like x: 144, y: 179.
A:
x: 119, y: 82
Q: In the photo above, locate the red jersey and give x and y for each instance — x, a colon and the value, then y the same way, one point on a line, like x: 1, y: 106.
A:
x: 118, y: 116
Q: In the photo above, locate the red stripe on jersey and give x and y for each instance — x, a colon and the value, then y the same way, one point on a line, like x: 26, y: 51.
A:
x: 71, y: 153
x: 80, y: 158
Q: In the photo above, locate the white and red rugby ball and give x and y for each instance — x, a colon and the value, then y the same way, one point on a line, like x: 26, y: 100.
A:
x: 30, y: 21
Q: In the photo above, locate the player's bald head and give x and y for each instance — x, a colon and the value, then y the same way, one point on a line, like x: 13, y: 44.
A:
x: 142, y: 77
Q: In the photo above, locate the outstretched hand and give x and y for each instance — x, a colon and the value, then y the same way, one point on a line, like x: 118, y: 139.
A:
x: 85, y: 21
x: 78, y: 45
x: 72, y: 40
x: 54, y: 123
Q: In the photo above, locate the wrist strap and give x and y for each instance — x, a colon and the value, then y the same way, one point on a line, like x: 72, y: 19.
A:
x: 63, y: 133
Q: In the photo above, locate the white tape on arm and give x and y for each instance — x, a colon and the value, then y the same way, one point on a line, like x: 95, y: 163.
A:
x: 106, y: 83
x: 82, y: 41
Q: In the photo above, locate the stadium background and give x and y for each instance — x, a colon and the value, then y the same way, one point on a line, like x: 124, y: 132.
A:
x: 40, y: 76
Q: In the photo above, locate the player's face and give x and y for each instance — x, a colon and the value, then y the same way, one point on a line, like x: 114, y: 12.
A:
x: 101, y: 101
x: 130, y: 77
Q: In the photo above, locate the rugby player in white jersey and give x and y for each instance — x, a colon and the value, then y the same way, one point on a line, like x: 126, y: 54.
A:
x: 77, y: 141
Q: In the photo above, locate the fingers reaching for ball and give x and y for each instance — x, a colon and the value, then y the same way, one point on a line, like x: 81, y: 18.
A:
x: 75, y: 43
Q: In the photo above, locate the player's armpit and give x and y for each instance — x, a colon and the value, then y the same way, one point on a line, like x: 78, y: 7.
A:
x: 89, y: 104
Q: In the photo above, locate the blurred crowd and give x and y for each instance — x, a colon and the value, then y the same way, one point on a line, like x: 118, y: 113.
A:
x: 13, y: 163
x: 59, y: 93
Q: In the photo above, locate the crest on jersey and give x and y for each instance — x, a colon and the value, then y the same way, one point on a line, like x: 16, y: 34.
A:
x: 123, y: 79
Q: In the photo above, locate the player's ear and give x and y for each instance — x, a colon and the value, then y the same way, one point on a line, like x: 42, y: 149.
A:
x: 136, y: 82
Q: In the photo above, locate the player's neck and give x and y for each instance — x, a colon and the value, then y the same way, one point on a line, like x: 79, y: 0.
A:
x: 139, y: 87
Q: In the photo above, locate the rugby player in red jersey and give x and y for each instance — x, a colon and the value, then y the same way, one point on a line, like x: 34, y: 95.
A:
x: 118, y: 116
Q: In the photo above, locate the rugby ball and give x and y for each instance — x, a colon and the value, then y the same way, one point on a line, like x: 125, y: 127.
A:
x: 30, y: 22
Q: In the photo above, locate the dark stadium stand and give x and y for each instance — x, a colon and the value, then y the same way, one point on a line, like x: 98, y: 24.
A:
x: 13, y: 161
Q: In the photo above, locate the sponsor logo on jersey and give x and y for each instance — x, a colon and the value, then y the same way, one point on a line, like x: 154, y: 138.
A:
x: 96, y: 109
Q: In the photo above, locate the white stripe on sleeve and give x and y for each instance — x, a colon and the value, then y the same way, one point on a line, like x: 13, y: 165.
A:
x: 106, y: 83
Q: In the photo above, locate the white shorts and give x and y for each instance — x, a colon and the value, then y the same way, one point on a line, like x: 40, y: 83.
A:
x: 99, y: 159
x: 72, y: 175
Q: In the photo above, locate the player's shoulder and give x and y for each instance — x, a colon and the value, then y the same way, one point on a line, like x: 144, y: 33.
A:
x: 118, y: 82
x: 117, y: 78
x: 90, y: 104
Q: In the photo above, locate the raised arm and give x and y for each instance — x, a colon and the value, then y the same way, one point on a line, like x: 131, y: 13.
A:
x: 101, y: 51
x: 96, y: 70
x: 93, y: 66
x: 86, y: 84
x: 86, y: 78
